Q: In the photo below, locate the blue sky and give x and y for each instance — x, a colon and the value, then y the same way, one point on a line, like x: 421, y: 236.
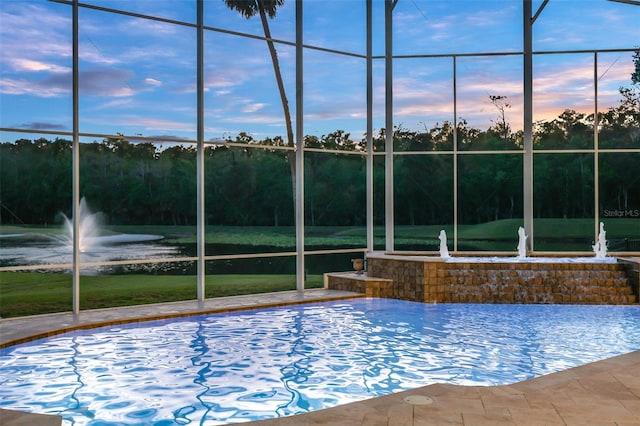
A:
x: 137, y: 76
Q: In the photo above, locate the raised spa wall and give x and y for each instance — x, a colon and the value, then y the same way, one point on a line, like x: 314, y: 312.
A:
x: 433, y: 280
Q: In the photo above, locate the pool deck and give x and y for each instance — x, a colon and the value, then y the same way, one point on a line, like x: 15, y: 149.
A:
x: 601, y: 393
x: 24, y: 329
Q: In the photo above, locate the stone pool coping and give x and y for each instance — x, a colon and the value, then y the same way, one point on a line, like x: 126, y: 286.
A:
x: 600, y: 393
x: 605, y: 392
x: 18, y: 330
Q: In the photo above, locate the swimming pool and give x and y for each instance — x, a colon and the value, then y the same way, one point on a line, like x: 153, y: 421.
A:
x: 250, y: 365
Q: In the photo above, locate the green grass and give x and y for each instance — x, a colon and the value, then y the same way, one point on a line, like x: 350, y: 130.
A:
x: 28, y: 293
x: 31, y: 293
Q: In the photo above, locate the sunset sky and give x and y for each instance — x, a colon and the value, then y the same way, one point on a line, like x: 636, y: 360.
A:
x: 138, y: 76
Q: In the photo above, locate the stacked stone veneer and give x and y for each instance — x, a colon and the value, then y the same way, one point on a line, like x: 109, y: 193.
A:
x: 632, y: 266
x: 360, y: 283
x: 430, y: 279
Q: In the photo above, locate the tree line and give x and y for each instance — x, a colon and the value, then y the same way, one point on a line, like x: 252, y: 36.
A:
x: 142, y: 183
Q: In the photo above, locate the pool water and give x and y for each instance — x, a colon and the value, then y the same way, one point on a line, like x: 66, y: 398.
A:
x: 259, y: 364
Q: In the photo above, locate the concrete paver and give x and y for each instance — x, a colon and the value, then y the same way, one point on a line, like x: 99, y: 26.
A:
x: 18, y: 418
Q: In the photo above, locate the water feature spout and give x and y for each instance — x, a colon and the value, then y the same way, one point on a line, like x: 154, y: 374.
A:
x: 600, y: 247
x: 91, y: 236
x: 444, y: 251
x: 522, y: 243
x: 89, y: 225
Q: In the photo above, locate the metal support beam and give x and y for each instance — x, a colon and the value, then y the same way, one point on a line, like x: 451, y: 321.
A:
x: 388, y: 141
x: 455, y: 153
x: 75, y: 166
x: 539, y: 11
x: 631, y: 2
x: 200, y: 201
x: 527, y: 166
x: 369, y: 158
x: 596, y: 146
x: 300, y: 273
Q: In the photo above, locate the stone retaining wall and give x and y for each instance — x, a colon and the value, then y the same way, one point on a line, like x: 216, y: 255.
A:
x: 431, y: 279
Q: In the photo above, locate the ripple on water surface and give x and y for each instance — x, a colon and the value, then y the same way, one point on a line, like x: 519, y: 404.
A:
x: 235, y: 367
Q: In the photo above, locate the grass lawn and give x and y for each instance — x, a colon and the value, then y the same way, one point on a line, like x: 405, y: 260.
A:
x: 31, y: 293
x: 28, y: 293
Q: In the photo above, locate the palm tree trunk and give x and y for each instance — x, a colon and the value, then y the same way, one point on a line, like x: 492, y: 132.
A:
x: 283, y: 96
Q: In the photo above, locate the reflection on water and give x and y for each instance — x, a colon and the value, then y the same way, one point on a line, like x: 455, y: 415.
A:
x: 252, y: 365
x: 51, y: 252
x: 17, y: 251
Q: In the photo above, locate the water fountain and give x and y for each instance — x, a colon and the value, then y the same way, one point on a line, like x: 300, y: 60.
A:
x: 522, y: 243
x: 89, y: 225
x: 444, y: 251
x: 600, y: 247
x: 91, y: 229
x: 96, y: 244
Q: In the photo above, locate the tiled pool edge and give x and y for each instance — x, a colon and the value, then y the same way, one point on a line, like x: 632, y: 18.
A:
x: 14, y: 331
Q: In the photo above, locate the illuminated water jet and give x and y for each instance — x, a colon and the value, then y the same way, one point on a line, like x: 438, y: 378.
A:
x: 91, y: 230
